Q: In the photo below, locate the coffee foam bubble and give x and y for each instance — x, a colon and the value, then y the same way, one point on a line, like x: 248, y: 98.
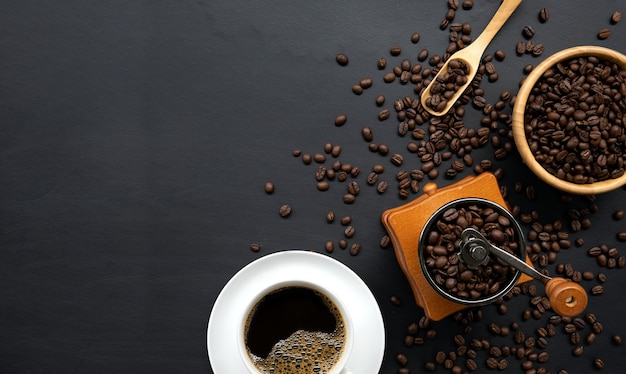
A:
x: 304, y: 352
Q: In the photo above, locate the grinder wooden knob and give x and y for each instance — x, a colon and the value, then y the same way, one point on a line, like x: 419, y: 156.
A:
x: 567, y: 298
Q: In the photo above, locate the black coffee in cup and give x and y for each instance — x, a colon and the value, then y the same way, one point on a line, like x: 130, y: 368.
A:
x: 295, y: 330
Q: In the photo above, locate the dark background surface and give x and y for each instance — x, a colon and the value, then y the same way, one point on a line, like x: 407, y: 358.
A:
x: 137, y: 137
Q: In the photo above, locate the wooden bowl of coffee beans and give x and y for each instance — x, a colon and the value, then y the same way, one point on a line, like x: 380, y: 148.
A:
x: 569, y: 121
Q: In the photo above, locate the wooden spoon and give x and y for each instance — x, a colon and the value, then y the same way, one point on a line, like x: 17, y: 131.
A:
x: 471, y: 55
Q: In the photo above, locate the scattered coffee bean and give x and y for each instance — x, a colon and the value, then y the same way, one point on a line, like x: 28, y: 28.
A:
x: 598, y: 363
x: 604, y: 34
x: 528, y: 32
x: 269, y: 188
x: 285, y: 211
x: 395, y: 50
x: 255, y: 247
x: 468, y: 4
x: 355, y: 249
x: 544, y: 15
x: 366, y: 83
x: 341, y: 59
x: 597, y: 290
x: 621, y: 235
x: 616, y: 339
x: 340, y: 120
x: 616, y: 17
x: 349, y: 198
x: 578, y: 351
x: 329, y: 246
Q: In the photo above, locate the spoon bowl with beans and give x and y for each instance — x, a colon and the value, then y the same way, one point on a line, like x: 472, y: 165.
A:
x: 458, y: 71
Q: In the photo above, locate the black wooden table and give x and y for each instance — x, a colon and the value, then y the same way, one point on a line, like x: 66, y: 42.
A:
x: 137, y: 137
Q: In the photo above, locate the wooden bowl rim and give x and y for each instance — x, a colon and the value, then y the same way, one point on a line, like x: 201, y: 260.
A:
x: 519, y: 135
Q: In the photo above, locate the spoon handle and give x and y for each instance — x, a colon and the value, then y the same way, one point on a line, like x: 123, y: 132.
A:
x: 502, y: 15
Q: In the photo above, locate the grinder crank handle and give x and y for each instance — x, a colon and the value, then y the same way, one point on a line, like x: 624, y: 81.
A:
x: 567, y: 298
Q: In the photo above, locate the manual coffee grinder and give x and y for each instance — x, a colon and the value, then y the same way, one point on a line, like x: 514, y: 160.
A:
x: 408, y: 227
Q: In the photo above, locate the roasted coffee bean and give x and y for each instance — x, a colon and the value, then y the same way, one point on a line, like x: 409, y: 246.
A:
x: 468, y: 4
x: 397, y: 159
x: 395, y: 50
x: 255, y: 247
x: 618, y: 215
x: 598, y: 363
x: 429, y: 366
x: 471, y: 365
x: 621, y: 235
x: 382, y: 187
x: 616, y: 339
x: 492, y: 363
x: 402, y: 359
x: 431, y: 334
x: 329, y: 246
x: 335, y: 151
x: 382, y: 63
x: 591, y: 318
x: 383, y: 149
x: 355, y: 249
x: 341, y: 59
x: 409, y: 340
x: 537, y: 50
x: 544, y: 15
x: 349, y: 198
x: 349, y: 231
x: 330, y: 216
x: 415, y: 37
x: 528, y: 32
x: 604, y: 34
x: 385, y: 241
x: 597, y: 290
x: 269, y: 188
x: 389, y: 77
x: 597, y: 327
x: 616, y: 17
x: 520, y: 48
x: 499, y: 55
x: 323, y: 185
x: 590, y: 338
x: 353, y: 188
x: 459, y: 340
x: 285, y: 210
x: 578, y: 351
x: 341, y: 120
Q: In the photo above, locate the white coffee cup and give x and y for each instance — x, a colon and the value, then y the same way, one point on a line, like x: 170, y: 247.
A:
x: 339, y: 367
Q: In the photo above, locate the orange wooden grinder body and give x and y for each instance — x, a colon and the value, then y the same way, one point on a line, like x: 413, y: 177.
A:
x: 405, y: 223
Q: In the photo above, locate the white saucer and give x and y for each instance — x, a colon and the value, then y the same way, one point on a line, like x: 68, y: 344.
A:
x: 369, y: 331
